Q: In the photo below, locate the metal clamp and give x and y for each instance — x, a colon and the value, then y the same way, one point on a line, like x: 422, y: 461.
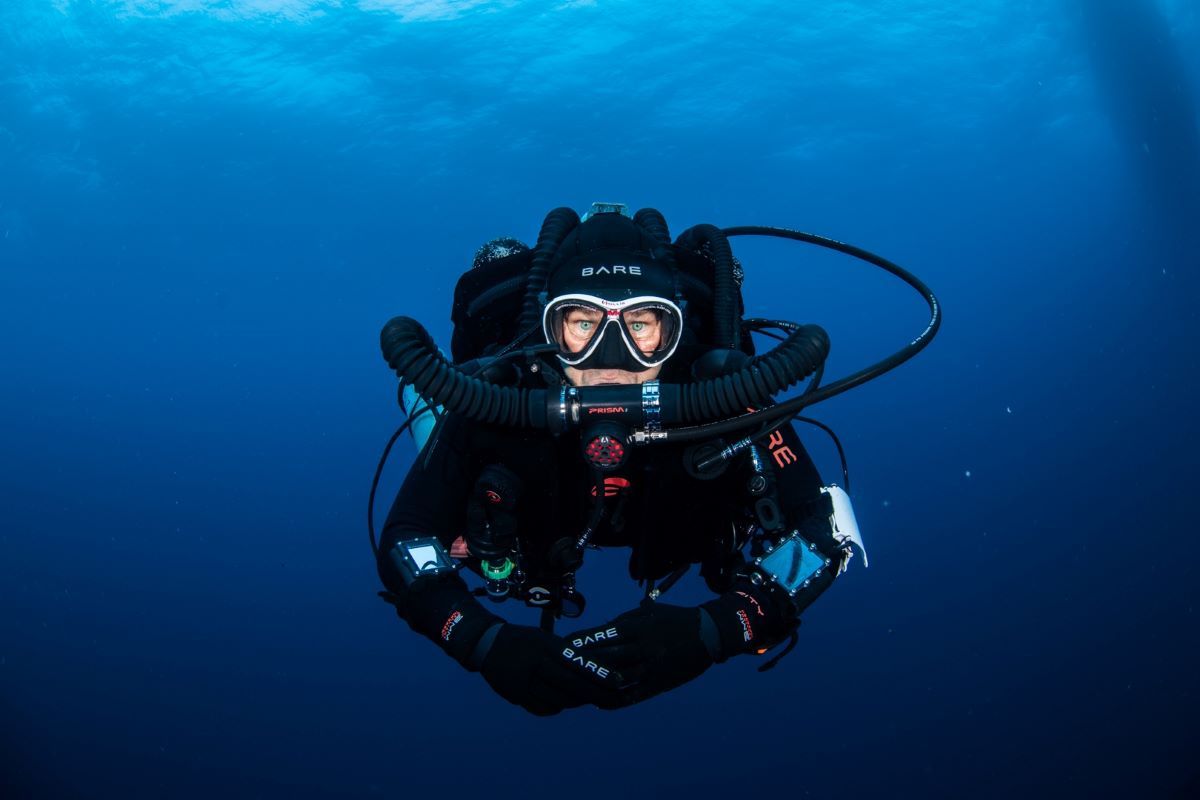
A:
x: 652, y: 406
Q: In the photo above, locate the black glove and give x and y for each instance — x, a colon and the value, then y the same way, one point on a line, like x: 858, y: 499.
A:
x: 655, y: 646
x: 526, y: 666
x: 543, y: 674
x: 751, y: 619
x: 443, y: 609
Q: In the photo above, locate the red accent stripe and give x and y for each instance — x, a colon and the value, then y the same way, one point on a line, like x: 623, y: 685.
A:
x: 613, y: 486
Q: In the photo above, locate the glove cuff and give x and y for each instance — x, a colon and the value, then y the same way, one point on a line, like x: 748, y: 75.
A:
x: 710, y: 635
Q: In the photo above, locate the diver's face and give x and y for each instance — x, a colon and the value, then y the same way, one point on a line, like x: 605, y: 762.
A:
x: 580, y: 325
x: 603, y: 377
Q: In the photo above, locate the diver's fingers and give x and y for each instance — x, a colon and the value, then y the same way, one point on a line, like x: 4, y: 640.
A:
x: 577, y: 680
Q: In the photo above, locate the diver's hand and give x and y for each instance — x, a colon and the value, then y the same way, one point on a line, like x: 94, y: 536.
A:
x: 750, y: 618
x: 442, y: 609
x: 544, y: 674
x: 656, y: 647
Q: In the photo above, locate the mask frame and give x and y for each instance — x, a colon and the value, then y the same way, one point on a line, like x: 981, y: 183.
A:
x: 614, y: 313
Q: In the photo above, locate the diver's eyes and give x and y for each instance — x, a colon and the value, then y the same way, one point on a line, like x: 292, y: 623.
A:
x: 642, y: 324
x: 582, y: 323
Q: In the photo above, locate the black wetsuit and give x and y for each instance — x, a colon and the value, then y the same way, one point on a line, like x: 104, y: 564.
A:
x: 667, y: 517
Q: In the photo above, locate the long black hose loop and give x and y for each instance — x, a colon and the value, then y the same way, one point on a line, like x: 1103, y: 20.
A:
x: 935, y: 319
x: 555, y: 227
x: 726, y: 317
x: 794, y: 359
x: 795, y: 405
x: 375, y: 483
x: 411, y: 352
x: 654, y: 223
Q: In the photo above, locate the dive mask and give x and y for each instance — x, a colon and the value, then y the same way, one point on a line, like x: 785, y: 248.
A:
x: 635, y: 334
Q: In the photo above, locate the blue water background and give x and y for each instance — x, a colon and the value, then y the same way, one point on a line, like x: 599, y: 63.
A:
x: 208, y: 210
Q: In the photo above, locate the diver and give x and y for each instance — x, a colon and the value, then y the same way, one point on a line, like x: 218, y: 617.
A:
x: 605, y: 392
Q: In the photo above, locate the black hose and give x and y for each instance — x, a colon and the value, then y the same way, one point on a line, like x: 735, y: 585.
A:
x: 726, y: 316
x: 411, y: 352
x: 793, y: 406
x: 375, y: 483
x: 836, y: 443
x: 555, y: 227
x: 654, y: 223
x: 755, y: 385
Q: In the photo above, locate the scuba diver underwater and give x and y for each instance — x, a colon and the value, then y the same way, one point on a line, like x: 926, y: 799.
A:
x: 604, y: 391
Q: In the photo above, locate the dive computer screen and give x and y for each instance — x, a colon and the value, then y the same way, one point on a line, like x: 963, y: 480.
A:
x: 792, y: 563
x: 425, y: 558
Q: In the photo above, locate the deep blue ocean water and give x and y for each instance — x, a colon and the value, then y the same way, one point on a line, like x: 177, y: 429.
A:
x: 209, y: 208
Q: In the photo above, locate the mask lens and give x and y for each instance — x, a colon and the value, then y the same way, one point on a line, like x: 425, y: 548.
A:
x: 651, y: 330
x: 573, y: 326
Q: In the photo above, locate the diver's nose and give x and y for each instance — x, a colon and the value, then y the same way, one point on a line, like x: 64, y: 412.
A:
x: 610, y: 352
